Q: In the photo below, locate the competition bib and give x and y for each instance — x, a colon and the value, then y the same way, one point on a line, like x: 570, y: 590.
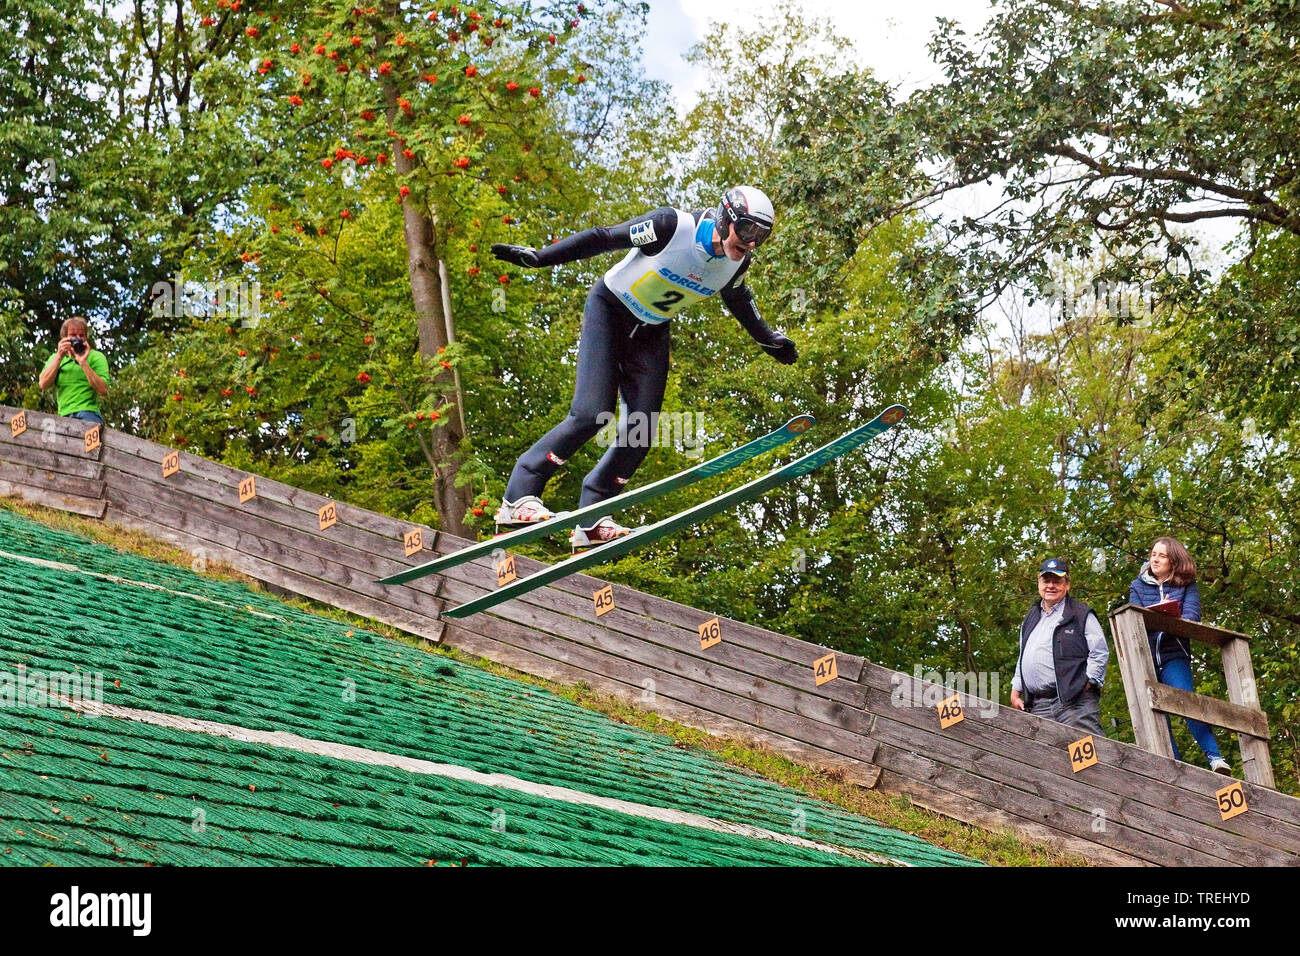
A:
x: 657, y: 288
x: 656, y: 292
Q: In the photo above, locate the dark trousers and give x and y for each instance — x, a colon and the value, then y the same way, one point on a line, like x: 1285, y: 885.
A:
x: 617, y: 355
x: 1082, y: 713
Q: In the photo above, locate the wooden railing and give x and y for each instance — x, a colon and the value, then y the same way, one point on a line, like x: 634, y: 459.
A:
x: 1149, y: 700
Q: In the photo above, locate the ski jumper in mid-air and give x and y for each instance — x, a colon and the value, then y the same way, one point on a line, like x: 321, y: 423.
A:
x: 677, y: 258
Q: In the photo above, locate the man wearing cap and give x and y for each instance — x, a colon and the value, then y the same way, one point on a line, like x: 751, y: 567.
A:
x: 1063, y: 654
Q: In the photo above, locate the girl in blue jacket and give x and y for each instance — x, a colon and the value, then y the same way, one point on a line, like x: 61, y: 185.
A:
x: 1170, y: 574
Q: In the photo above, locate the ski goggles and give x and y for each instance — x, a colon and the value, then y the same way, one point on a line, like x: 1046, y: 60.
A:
x: 750, y: 230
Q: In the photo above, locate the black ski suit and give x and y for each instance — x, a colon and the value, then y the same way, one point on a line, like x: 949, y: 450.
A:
x: 621, y: 352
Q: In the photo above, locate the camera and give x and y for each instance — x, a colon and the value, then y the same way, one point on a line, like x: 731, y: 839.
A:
x: 78, y: 344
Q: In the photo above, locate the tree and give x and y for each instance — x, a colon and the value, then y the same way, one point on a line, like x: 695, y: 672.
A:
x: 443, y: 99
x: 51, y: 201
x: 1110, y: 122
x: 495, y: 154
x: 1106, y: 129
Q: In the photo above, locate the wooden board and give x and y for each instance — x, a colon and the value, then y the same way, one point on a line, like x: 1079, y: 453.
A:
x: 90, y: 507
x: 683, y: 689
x: 993, y: 819
x: 1192, y: 630
x: 1216, y: 713
x: 420, y: 626
x: 644, y: 607
x: 333, y: 582
x: 739, y: 668
x: 976, y: 741
x: 684, y: 639
x: 1239, y: 678
x: 1128, y: 628
x: 1039, y: 810
x: 36, y: 456
x: 853, y: 771
x: 61, y: 483
x: 52, y: 433
x: 291, y: 508
x: 1188, y: 777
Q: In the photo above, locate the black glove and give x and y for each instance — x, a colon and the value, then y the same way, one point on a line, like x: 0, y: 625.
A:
x: 518, y: 255
x: 782, y: 349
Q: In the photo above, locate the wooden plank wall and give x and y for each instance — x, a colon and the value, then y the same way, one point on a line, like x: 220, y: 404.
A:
x: 48, y: 463
x: 879, y: 728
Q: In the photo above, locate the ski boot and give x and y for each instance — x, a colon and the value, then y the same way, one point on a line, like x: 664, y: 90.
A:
x: 603, y: 531
x: 527, y: 510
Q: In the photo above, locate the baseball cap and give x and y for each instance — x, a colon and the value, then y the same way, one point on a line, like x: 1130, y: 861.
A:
x: 1058, y: 566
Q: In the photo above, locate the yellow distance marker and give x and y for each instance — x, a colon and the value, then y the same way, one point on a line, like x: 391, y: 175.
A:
x: 413, y: 541
x: 329, y: 515
x: 248, y: 489
x: 92, y: 439
x: 950, y: 711
x: 506, y: 570
x: 1083, y: 753
x: 603, y: 600
x: 824, y: 669
x: 17, y: 424
x: 1231, y: 800
x: 171, y: 463
x: 710, y: 633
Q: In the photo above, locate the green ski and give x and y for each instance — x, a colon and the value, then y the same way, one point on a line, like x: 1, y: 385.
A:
x: 653, y: 532
x: 791, y: 430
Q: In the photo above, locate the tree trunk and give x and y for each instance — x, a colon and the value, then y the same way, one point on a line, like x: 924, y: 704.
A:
x: 420, y: 230
x: 432, y: 322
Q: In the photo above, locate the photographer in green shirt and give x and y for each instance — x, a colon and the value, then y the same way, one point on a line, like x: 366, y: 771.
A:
x: 80, y: 373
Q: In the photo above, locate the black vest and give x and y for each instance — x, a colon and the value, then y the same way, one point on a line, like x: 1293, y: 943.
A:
x: 1069, y: 646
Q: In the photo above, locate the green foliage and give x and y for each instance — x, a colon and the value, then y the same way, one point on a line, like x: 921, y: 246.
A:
x: 874, y: 321
x: 382, y: 138
x: 1080, y: 138
x: 58, y: 256
x: 1103, y: 128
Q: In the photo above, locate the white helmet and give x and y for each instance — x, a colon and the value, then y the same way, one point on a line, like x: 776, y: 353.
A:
x: 748, y: 210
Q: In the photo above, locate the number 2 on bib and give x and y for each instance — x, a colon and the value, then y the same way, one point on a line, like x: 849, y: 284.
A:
x: 656, y: 292
x: 671, y: 298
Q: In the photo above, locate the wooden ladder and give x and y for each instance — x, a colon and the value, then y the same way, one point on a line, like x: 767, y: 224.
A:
x: 1148, y: 699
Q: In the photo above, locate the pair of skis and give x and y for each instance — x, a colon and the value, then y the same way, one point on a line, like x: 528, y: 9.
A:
x: 653, y: 532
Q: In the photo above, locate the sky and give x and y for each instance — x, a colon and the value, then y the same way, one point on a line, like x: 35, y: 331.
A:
x: 889, y: 37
